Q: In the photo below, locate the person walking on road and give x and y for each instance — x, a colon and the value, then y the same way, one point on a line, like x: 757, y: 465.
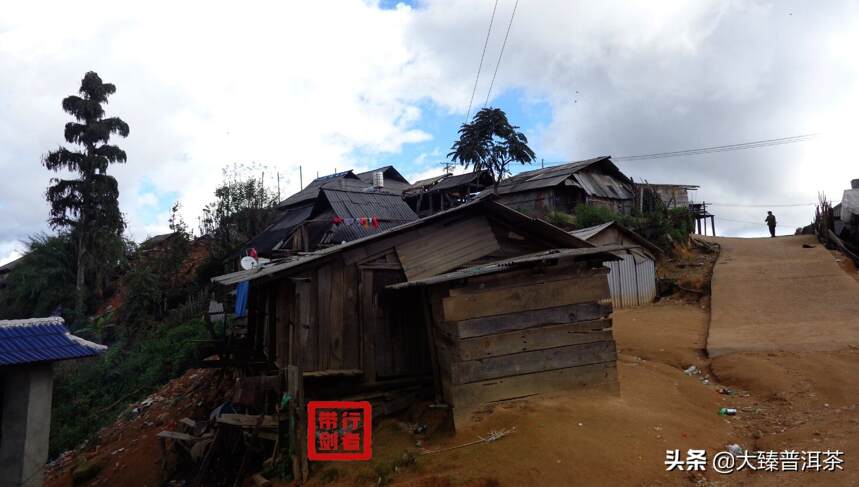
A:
x: 771, y: 223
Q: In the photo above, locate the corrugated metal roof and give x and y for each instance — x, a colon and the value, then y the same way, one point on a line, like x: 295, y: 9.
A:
x: 282, y: 228
x: 591, y: 232
x: 587, y: 233
x: 512, y: 264
x: 518, y: 220
x: 341, y: 180
x: 460, y: 179
x: 389, y: 209
x: 394, y: 181
x: 383, y: 205
x: 41, y: 340
x: 448, y: 181
x: 602, y: 185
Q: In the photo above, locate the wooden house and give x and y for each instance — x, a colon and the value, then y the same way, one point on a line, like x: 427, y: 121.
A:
x: 594, y: 182
x: 305, y: 220
x: 531, y: 324
x: 447, y: 191
x: 631, y: 278
x: 669, y: 195
x: 332, y: 314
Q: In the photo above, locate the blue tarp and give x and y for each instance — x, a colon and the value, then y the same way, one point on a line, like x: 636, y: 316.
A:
x: 242, y: 299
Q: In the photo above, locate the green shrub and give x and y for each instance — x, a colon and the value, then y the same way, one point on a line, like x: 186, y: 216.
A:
x: 89, y: 394
x: 561, y: 219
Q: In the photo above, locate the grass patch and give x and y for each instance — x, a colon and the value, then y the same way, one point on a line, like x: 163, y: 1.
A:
x: 89, y: 394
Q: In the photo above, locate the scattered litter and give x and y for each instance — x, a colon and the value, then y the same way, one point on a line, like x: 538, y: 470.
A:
x: 705, y: 382
x: 725, y: 391
x: 114, y: 452
x: 691, y: 370
x: 727, y: 412
x: 494, y: 435
x: 734, y: 449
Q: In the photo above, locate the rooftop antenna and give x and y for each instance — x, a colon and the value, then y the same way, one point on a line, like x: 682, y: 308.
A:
x: 448, y: 167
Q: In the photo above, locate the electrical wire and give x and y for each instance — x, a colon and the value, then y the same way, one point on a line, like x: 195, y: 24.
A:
x: 728, y: 205
x: 721, y: 148
x: 498, y: 63
x: 480, y: 65
x: 718, y: 148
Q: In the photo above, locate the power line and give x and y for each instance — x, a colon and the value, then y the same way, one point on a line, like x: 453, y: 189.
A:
x: 503, y: 45
x: 718, y: 148
x: 729, y: 205
x: 721, y: 148
x: 480, y: 66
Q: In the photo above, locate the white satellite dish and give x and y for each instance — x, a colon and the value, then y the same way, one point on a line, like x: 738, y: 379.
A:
x: 248, y: 263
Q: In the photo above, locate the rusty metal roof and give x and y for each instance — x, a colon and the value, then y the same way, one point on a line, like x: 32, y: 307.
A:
x: 591, y: 232
x: 520, y: 221
x: 369, y: 203
x: 514, y: 263
x: 614, y: 184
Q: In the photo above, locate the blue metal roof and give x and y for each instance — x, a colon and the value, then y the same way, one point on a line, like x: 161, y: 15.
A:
x: 41, y: 340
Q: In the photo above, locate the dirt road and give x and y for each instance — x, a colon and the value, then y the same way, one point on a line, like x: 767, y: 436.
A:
x: 775, y: 295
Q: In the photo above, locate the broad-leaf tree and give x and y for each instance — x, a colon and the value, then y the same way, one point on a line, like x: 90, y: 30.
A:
x: 86, y: 205
x: 490, y: 142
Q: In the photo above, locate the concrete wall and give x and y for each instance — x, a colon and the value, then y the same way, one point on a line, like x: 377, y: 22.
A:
x: 26, y: 423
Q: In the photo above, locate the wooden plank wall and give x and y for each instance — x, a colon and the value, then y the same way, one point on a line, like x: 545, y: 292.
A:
x: 322, y: 307
x: 519, y: 333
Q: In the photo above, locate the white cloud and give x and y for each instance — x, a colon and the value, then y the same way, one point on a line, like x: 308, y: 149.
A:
x: 206, y: 84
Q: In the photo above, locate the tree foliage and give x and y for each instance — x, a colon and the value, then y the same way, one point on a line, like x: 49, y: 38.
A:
x: 43, y: 280
x: 86, y: 205
x: 157, y: 280
x: 242, y: 209
x: 490, y: 142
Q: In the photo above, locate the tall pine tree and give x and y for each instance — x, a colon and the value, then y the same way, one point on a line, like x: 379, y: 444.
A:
x: 87, y: 204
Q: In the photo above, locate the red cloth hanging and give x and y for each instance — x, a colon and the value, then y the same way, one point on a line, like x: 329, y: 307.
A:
x: 364, y: 222
x: 337, y: 220
x: 375, y: 222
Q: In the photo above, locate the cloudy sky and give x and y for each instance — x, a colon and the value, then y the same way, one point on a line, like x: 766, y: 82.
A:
x: 360, y: 84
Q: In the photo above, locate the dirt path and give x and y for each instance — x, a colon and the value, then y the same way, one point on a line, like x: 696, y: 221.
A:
x: 775, y: 295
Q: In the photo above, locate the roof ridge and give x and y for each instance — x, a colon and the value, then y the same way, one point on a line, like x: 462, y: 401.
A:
x: 33, y: 321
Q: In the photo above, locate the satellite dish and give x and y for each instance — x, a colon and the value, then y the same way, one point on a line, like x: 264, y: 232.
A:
x: 248, y: 263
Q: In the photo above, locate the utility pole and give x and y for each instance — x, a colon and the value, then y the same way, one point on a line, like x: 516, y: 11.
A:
x: 300, y: 179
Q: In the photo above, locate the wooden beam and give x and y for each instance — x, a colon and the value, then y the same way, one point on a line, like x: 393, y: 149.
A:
x: 534, y: 361
x: 526, y: 297
x: 528, y: 384
x: 528, y: 319
x: 538, y: 338
x: 248, y: 421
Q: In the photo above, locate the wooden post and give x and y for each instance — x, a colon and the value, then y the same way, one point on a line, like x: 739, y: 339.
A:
x: 298, y: 423
x: 436, y: 371
x: 713, y: 224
